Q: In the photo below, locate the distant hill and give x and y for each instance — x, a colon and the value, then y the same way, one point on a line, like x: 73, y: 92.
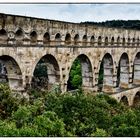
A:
x: 127, y: 24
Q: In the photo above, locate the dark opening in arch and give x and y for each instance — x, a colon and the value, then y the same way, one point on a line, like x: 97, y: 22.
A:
x: 133, y: 40
x: 99, y: 40
x: 46, y: 73
x: 19, y: 37
x: 46, y: 38
x: 106, y: 41
x: 123, y: 41
x: 118, y: 41
x: 3, y: 32
x: 92, y: 40
x: 19, y: 33
x: 33, y: 37
x: 58, y: 39
x: 68, y: 39
x: 112, y: 41
x: 76, y: 39
x: 80, y: 73
x: 3, y: 36
x: 124, y: 100
x: 84, y: 41
x: 136, y: 101
x: 129, y: 40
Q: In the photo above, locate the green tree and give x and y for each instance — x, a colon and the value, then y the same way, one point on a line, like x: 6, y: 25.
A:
x: 75, y: 76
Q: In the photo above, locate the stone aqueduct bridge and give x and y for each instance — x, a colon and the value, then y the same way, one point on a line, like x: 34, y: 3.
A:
x: 26, y: 40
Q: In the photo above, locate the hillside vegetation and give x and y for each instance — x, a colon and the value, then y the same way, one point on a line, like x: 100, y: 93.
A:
x: 55, y: 114
x: 126, y: 24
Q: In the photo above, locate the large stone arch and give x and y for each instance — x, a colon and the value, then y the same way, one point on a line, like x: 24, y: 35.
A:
x: 87, y: 73
x: 136, y: 69
x: 123, y: 71
x: 106, y: 69
x: 11, y: 69
x: 52, y: 72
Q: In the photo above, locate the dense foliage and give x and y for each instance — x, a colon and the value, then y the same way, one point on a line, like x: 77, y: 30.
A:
x: 127, y: 24
x: 55, y: 114
x: 75, y: 76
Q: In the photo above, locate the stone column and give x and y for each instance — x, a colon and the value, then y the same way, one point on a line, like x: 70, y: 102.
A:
x: 108, y: 83
x: 124, y: 76
x: 136, y: 79
x: 87, y: 78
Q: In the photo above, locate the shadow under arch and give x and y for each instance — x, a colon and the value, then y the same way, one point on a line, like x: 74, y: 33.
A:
x: 105, y: 77
x: 124, y: 100
x: 10, y: 72
x: 46, y: 73
x: 136, y: 101
x: 123, y: 71
x: 80, y: 73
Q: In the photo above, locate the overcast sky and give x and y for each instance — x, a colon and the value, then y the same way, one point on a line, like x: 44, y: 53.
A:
x: 75, y: 12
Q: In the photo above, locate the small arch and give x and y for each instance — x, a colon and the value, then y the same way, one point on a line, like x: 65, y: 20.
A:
x: 129, y: 41
x: 136, y: 101
x: 84, y: 40
x: 46, y: 38
x: 3, y: 32
x: 19, y: 37
x: 133, y: 41
x: 68, y: 39
x: 76, y: 39
x: 99, y: 40
x: 33, y: 37
x: 106, y: 41
x: 118, y: 41
x: 46, y: 73
x: 3, y: 36
x: 92, y: 40
x: 19, y: 33
x: 112, y: 41
x: 124, y: 101
x: 123, y: 71
x: 123, y: 41
x: 58, y: 39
